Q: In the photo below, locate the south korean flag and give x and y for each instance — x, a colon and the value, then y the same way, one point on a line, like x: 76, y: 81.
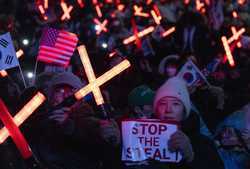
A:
x: 192, y: 75
x: 8, y: 58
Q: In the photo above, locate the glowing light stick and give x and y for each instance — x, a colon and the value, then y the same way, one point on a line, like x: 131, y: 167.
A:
x: 94, y: 84
x: 235, y: 15
x: 157, y: 19
x: 140, y: 34
x: 98, y: 11
x: 102, y: 25
x: 138, y: 12
x: 199, y: 5
x: 46, y: 4
x: 80, y: 3
x: 228, y: 51
x: 168, y: 32
x: 12, y: 124
x: 66, y: 11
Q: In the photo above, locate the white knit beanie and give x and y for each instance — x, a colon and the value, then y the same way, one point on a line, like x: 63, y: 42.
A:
x: 174, y: 87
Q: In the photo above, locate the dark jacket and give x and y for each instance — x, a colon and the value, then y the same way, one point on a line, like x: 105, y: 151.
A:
x: 205, y: 154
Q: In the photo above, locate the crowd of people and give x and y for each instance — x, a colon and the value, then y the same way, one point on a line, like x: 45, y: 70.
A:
x: 214, y: 118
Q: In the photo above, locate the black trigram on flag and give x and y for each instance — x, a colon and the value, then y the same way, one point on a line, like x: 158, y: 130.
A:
x: 9, y: 59
x: 4, y: 42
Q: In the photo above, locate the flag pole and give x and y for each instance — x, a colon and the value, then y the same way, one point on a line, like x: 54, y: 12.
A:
x: 25, y: 85
x: 34, y: 78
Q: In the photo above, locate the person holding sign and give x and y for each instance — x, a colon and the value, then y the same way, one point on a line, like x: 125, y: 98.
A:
x: 172, y: 102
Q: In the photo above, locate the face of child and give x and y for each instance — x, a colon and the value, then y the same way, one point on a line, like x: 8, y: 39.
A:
x: 170, y: 108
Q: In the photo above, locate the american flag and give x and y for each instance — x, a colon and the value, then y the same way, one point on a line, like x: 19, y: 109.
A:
x: 57, y: 47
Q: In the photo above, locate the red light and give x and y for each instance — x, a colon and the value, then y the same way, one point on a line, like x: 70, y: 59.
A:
x: 138, y: 12
x: 168, y: 32
x: 66, y: 11
x: 101, y: 25
x: 228, y: 51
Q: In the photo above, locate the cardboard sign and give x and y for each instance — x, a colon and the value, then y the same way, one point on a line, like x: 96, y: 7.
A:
x: 148, y: 139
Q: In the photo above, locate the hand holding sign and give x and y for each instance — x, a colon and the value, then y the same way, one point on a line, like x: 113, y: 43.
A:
x: 148, y: 139
x: 180, y: 142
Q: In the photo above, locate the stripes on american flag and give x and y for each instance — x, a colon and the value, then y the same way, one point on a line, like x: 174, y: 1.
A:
x: 57, y: 47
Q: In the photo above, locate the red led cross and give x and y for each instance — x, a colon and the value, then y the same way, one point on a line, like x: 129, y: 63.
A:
x: 11, y: 124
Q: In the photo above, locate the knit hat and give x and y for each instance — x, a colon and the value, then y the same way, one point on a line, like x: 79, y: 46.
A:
x: 161, y: 67
x: 64, y: 78
x: 174, y: 87
x: 141, y: 95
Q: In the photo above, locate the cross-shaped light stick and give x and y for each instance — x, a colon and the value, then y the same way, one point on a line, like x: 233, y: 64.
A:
x: 95, y: 83
x: 66, y: 11
x: 81, y: 4
x: 199, y: 5
x: 157, y: 18
x: 138, y: 12
x: 236, y: 35
x: 102, y: 26
x: 98, y: 11
x: 42, y: 11
x: 168, y: 32
x: 226, y: 43
x: 12, y: 124
x: 228, y: 51
x: 140, y: 34
x: 46, y: 4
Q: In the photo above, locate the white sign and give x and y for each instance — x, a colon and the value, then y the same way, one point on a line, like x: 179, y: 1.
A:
x: 8, y: 58
x: 148, y: 139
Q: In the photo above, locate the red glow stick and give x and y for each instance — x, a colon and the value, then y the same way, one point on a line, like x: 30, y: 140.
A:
x: 23, y: 114
x: 149, y: 2
x: 101, y: 25
x: 140, y: 34
x: 168, y: 32
x: 135, y: 30
x: 241, y: 2
x: 157, y: 19
x: 46, y: 4
x: 12, y: 124
x: 228, y: 51
x: 94, y: 2
x: 66, y: 11
x: 41, y: 9
x: 112, y: 54
x: 80, y: 3
x: 138, y: 12
x: 207, y: 2
x: 14, y: 132
x: 199, y: 5
x: 98, y: 11
x: 235, y: 15
x: 120, y: 7
x: 186, y: 2
x: 236, y: 34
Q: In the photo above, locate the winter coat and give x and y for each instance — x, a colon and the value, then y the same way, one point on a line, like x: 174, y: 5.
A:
x: 205, y: 154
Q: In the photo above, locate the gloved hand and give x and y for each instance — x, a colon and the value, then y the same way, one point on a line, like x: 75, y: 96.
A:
x: 179, y: 141
x: 60, y: 115
x: 110, y: 132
